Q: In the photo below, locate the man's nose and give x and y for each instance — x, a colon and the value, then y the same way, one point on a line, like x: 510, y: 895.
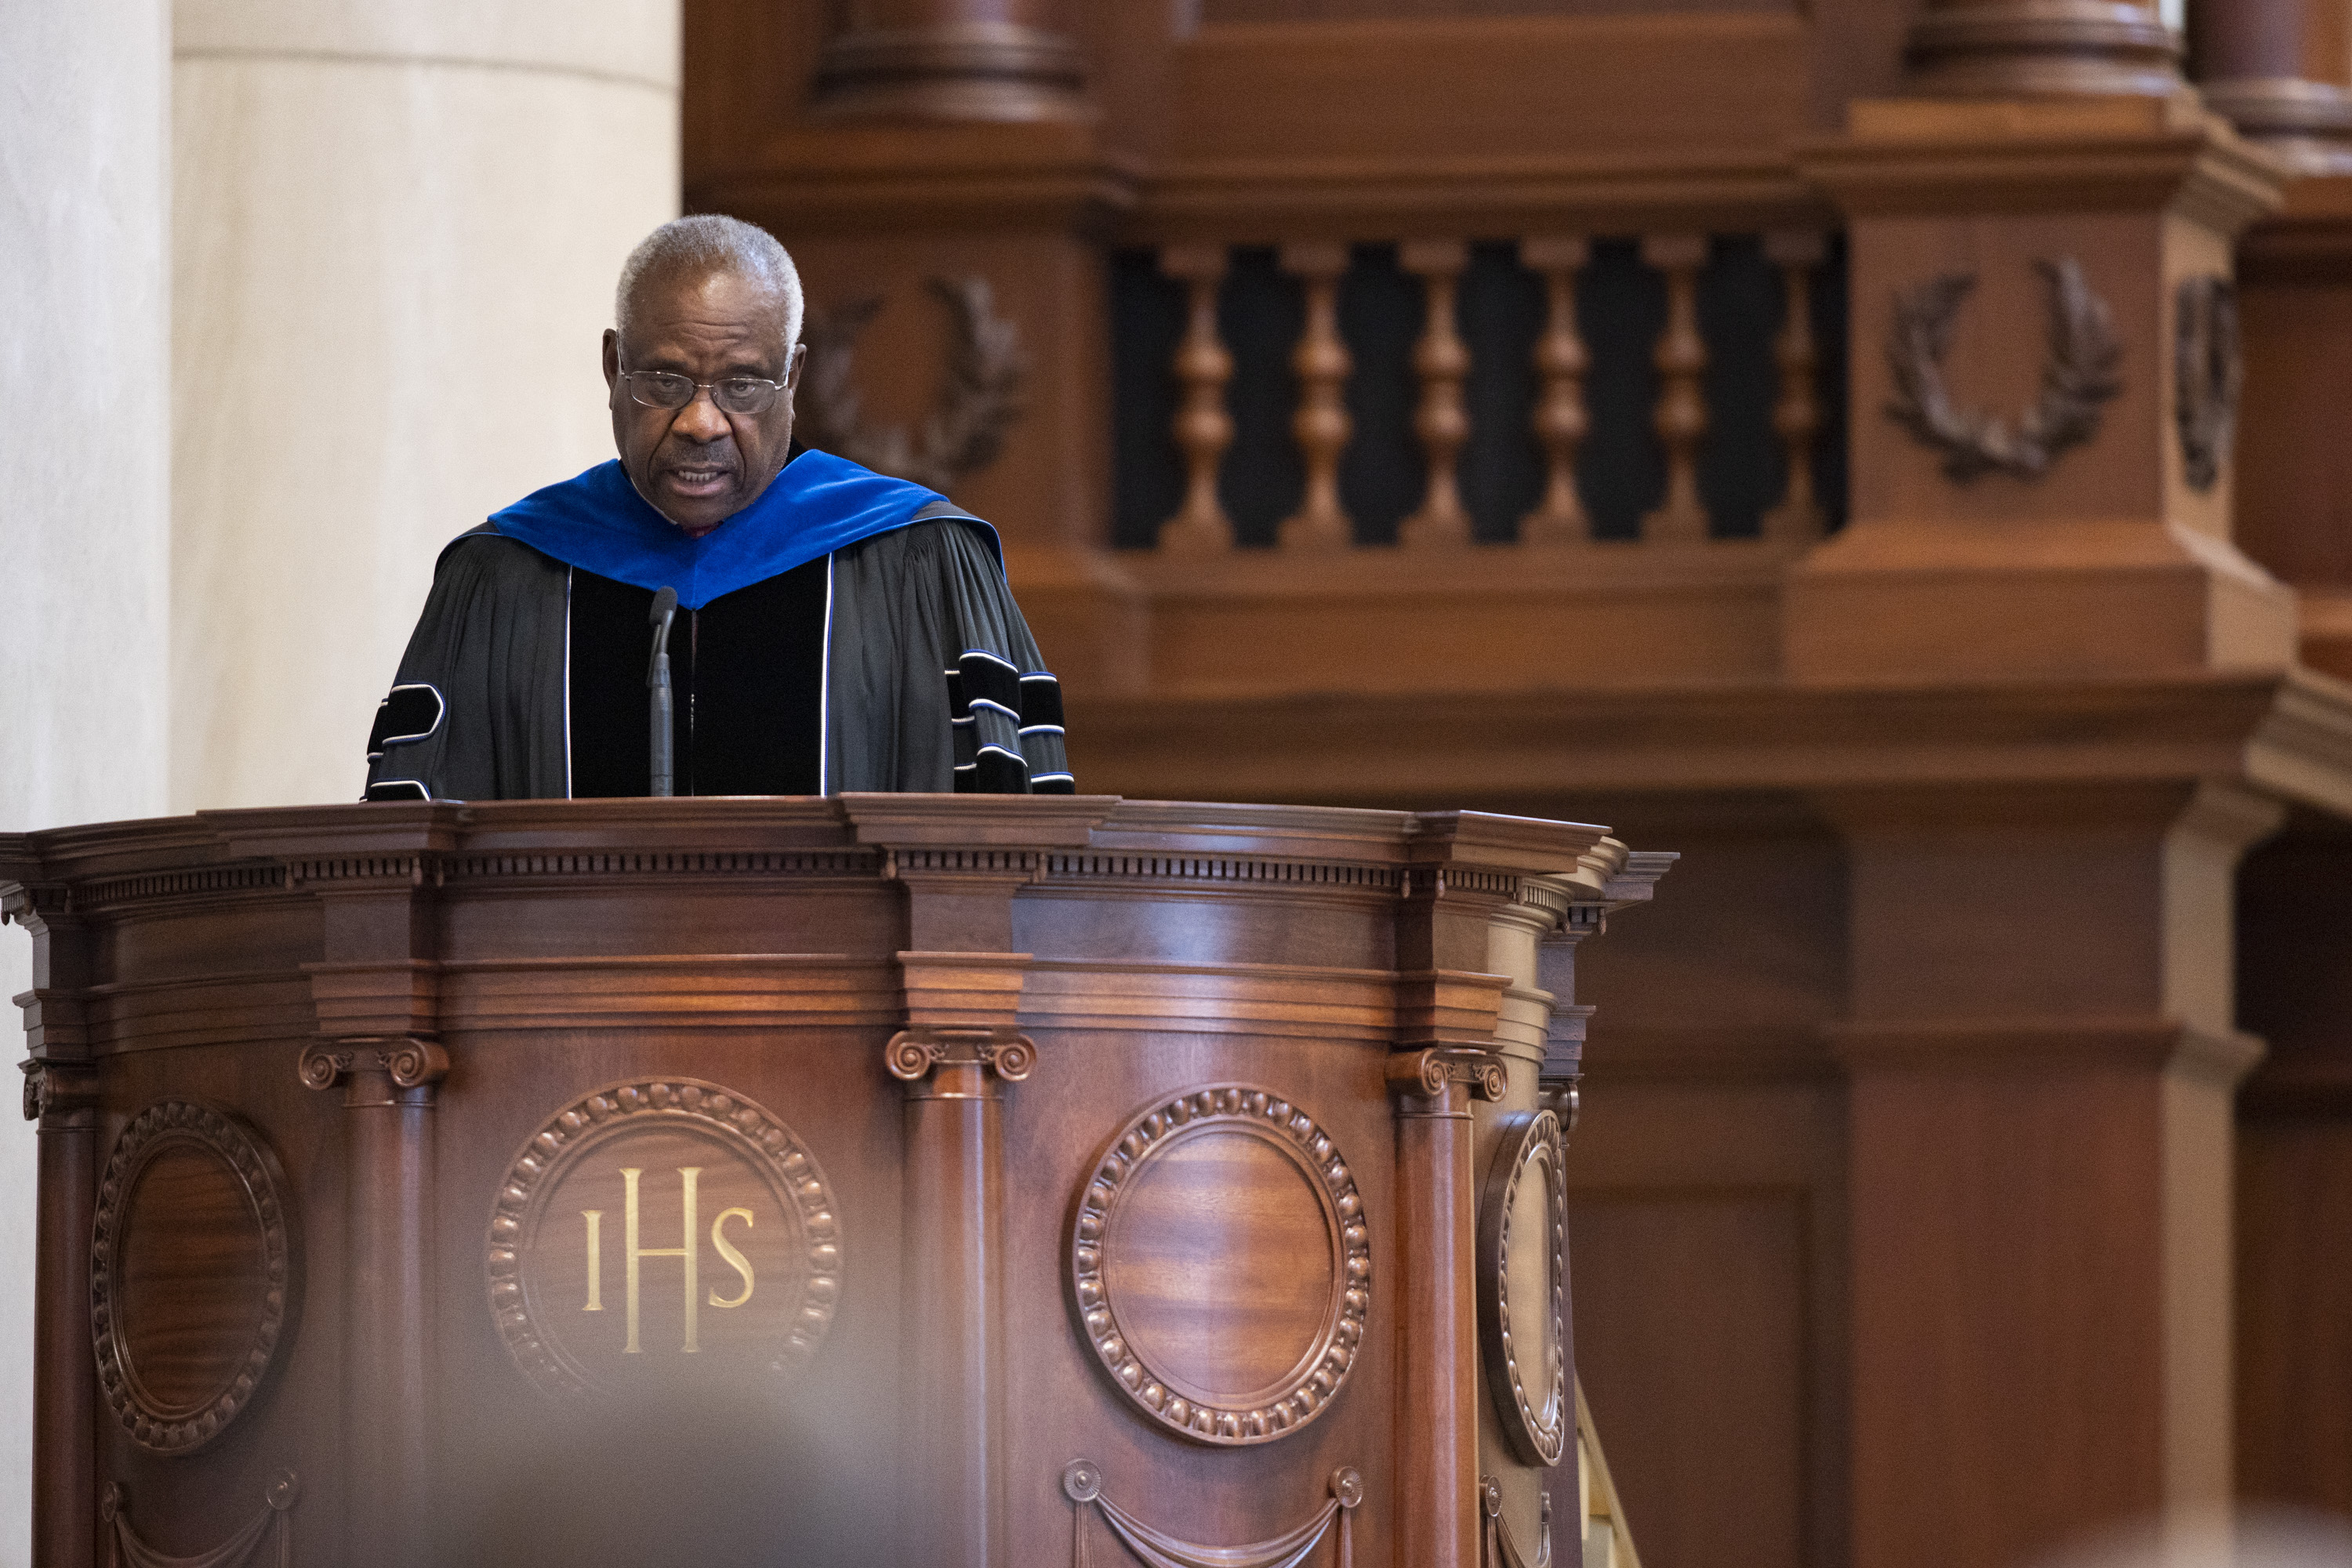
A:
x: 700, y: 421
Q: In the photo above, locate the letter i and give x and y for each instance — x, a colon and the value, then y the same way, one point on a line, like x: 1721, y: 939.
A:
x: 595, y: 1219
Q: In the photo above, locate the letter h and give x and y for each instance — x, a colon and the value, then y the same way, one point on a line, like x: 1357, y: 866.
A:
x: 688, y: 1174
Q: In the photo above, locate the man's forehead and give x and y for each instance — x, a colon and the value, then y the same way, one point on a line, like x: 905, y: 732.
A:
x: 707, y: 302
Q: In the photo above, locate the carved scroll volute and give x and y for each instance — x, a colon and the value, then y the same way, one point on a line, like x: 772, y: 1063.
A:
x: 401, y: 1071
x: 1204, y: 428
x: 1322, y: 423
x: 61, y: 1096
x: 958, y: 1063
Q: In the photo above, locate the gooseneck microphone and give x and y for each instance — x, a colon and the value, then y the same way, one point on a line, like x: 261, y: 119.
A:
x: 657, y: 683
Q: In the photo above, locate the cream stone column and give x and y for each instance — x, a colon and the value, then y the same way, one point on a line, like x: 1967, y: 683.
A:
x: 84, y: 200
x: 396, y: 229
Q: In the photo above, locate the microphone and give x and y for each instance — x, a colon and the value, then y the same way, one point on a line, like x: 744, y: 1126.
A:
x: 657, y: 683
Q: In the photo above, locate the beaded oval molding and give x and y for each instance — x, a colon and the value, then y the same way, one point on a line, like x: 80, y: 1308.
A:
x: 167, y: 1124
x: 593, y: 1120
x: 1309, y: 1390
x: 1532, y: 1148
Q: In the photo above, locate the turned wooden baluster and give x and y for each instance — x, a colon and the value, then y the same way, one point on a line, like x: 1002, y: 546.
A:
x: 1442, y: 360
x: 1204, y: 428
x: 1322, y: 426
x: 1681, y: 418
x: 1559, y: 421
x: 1796, y: 415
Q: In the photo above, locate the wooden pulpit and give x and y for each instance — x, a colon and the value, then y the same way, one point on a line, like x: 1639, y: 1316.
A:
x: 1084, y: 1180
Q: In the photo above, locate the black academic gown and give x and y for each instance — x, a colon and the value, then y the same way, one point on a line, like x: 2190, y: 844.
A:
x: 918, y: 673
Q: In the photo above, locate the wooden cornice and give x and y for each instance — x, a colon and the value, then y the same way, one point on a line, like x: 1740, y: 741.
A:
x: 879, y: 178
x: 1270, y: 200
x: 1917, y: 157
x: 2286, y: 733
x: 2309, y: 240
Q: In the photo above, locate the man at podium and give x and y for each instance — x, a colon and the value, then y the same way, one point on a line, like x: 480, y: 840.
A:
x: 833, y: 630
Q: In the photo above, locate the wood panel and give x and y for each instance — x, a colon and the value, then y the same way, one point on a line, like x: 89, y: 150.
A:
x: 2295, y: 1172
x: 2294, y: 479
x: 1391, y: 93
x: 1691, y: 1332
x: 2294, y: 1311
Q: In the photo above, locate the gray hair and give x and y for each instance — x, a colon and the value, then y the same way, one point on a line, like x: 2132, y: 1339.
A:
x: 706, y: 243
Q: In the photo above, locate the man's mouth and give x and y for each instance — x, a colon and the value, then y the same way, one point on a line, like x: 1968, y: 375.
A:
x: 699, y: 479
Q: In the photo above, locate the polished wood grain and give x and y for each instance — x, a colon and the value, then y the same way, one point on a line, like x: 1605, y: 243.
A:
x: 1712, y: 686
x: 893, y: 1039
x: 192, y: 1279
x: 1222, y: 1265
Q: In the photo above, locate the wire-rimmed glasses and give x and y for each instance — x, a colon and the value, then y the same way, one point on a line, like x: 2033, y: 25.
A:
x: 668, y: 389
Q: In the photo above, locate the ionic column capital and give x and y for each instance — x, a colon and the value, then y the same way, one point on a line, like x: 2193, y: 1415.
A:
x: 395, y: 1070
x: 1442, y: 1080
x: 958, y: 1063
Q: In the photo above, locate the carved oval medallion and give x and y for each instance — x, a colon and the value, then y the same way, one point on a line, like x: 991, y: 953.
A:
x: 195, y: 1274
x: 1522, y: 1287
x: 661, y: 1229
x: 1220, y: 1265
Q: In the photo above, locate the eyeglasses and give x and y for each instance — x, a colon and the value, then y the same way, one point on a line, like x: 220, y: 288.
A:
x: 667, y: 389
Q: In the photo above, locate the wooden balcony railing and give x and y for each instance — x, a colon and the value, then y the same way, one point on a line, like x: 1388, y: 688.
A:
x: 1559, y: 389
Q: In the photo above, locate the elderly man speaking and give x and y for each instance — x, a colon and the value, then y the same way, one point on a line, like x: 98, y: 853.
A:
x: 834, y: 629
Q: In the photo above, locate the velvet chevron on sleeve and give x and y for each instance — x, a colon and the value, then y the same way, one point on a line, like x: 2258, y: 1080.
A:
x: 936, y: 683
x: 477, y: 711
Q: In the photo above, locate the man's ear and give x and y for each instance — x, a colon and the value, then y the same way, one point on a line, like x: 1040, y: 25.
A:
x: 612, y: 360
x: 791, y: 377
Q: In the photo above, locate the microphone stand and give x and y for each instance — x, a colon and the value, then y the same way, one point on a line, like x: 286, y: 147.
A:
x: 658, y: 684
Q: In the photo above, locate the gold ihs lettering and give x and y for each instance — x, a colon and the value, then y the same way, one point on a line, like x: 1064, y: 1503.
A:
x: 595, y: 1219
x: 688, y: 1174
x: 735, y: 1261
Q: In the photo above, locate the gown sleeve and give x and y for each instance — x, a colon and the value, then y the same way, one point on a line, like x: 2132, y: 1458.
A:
x: 476, y: 711
x: 934, y: 681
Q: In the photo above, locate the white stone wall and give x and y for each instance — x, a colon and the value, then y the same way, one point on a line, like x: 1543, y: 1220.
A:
x: 396, y: 231
x: 291, y: 293
x: 84, y: 496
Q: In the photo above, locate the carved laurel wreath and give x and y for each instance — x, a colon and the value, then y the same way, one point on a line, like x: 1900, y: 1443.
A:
x: 2209, y: 375
x: 2078, y: 377
x: 987, y: 372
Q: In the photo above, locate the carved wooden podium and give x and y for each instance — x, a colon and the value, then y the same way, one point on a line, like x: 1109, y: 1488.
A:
x: 1116, y: 1177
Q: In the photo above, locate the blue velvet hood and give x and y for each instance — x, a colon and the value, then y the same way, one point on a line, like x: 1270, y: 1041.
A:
x: 819, y: 503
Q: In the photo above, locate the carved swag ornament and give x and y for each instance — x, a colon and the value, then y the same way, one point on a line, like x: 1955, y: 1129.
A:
x: 2077, y: 376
